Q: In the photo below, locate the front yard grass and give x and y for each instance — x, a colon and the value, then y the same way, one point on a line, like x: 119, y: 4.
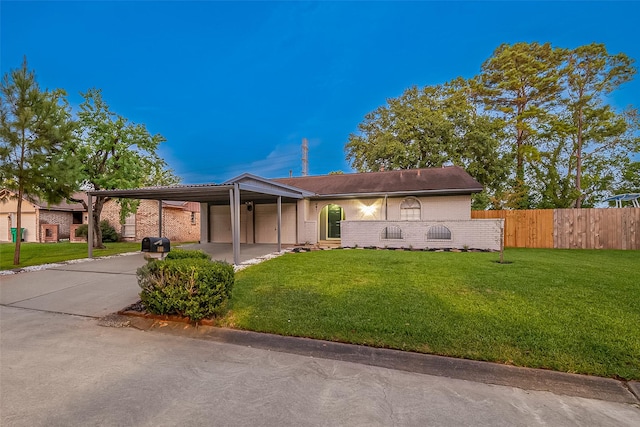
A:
x: 46, y: 253
x: 567, y: 310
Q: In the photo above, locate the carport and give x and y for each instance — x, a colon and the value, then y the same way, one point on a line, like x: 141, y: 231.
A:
x: 246, y: 188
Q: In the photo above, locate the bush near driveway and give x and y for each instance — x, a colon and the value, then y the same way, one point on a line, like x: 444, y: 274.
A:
x: 182, y: 253
x: 188, y: 286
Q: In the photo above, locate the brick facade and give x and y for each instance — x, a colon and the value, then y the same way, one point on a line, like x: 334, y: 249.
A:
x: 180, y: 223
x: 72, y: 234
x: 475, y: 233
x: 49, y: 233
x: 63, y: 219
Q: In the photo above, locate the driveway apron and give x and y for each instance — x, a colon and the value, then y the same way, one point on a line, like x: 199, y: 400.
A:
x: 94, y: 288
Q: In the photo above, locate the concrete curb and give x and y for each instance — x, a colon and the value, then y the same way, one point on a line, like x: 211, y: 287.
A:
x: 591, y: 387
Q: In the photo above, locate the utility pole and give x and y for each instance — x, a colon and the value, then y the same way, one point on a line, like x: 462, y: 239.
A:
x: 305, y: 157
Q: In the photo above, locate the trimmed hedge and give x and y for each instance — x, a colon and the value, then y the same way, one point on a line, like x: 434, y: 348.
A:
x: 192, y: 287
x: 183, y: 253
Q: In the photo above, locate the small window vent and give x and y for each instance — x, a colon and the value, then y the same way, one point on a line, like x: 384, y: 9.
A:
x: 391, y: 232
x: 439, y: 232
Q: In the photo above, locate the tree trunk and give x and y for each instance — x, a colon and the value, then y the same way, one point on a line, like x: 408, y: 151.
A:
x: 579, y: 160
x: 16, y: 253
x: 97, y: 232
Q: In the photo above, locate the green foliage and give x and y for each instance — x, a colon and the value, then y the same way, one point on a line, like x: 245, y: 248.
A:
x: 36, y: 142
x: 535, y: 127
x: 109, y: 233
x: 190, y: 287
x: 82, y: 231
x: 183, y: 253
x: 520, y: 84
x: 431, y: 127
x: 116, y: 154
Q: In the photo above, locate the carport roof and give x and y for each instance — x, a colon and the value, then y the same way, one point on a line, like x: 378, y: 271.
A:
x: 251, y: 188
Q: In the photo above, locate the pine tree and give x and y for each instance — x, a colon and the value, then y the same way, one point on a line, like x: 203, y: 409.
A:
x: 36, y: 135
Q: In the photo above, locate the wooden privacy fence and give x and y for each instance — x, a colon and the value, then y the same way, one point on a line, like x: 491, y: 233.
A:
x: 598, y: 228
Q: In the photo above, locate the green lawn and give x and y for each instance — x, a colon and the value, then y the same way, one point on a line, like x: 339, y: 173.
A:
x: 45, y: 253
x: 566, y: 310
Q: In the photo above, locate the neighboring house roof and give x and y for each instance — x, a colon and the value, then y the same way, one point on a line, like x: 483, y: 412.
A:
x: 187, y: 206
x: 62, y: 206
x: 445, y: 180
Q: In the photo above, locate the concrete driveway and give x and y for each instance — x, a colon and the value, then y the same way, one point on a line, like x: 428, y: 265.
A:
x: 93, y: 288
x: 224, y: 251
x: 97, y: 287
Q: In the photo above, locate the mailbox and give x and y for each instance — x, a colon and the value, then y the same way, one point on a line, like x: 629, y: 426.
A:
x: 156, y: 244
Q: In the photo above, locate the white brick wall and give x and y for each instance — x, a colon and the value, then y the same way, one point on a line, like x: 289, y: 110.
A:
x: 472, y: 233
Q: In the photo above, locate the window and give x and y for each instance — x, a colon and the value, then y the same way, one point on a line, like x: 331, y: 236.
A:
x: 130, y: 226
x: 410, y: 210
x: 391, y: 232
x: 439, y: 232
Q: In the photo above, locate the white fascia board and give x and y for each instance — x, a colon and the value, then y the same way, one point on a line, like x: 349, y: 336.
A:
x: 274, y: 190
x: 250, y: 177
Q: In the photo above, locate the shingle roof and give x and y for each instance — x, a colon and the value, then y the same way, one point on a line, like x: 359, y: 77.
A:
x: 446, y: 180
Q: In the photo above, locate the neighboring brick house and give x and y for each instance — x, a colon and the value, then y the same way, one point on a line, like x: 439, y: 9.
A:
x: 41, y: 221
x: 52, y: 223
x: 180, y: 220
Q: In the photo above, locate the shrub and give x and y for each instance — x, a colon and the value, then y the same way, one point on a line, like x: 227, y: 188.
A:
x: 190, y: 287
x: 82, y: 231
x: 108, y: 232
x: 182, y: 253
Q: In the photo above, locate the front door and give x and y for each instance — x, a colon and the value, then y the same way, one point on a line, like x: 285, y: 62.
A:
x: 334, y: 216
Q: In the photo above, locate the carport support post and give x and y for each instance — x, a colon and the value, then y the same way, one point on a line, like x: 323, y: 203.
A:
x: 236, y: 222
x: 90, y: 225
x: 279, y: 223
x: 159, y: 218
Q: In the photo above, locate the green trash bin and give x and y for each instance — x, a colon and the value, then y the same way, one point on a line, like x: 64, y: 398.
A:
x: 14, y: 232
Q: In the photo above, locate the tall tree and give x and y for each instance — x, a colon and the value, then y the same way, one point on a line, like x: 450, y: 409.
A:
x: 589, y: 75
x: 430, y: 127
x: 520, y: 83
x: 116, y: 154
x: 36, y: 135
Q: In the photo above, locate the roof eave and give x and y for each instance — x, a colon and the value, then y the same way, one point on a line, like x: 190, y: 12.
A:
x: 444, y: 192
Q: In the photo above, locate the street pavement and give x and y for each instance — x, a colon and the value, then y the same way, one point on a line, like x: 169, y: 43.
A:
x: 59, y: 367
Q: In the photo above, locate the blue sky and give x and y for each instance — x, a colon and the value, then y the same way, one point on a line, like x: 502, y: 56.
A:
x: 235, y: 86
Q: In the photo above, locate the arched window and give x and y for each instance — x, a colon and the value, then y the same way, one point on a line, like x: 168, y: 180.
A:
x: 439, y: 232
x: 410, y: 209
x: 391, y: 232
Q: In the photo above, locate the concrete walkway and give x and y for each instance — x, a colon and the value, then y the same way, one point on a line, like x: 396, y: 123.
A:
x: 224, y: 251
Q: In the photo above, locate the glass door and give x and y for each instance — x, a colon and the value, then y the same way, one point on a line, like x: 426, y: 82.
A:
x: 334, y: 216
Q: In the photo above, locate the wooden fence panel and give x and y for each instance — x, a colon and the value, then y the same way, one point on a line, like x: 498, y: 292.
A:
x: 524, y: 228
x: 596, y: 228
